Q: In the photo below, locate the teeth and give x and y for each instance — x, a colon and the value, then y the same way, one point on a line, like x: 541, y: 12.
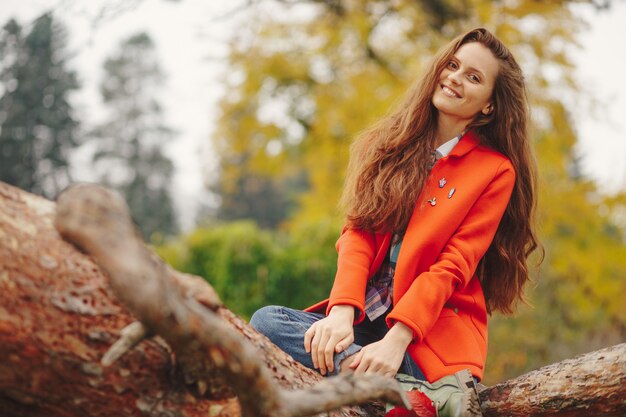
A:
x: 449, y: 92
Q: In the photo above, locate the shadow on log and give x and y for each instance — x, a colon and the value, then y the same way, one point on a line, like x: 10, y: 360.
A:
x: 77, y: 341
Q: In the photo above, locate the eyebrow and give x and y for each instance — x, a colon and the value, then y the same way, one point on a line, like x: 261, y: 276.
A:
x: 471, y: 68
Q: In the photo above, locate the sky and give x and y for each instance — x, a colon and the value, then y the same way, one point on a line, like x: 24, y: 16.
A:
x: 191, y: 35
x: 601, y: 65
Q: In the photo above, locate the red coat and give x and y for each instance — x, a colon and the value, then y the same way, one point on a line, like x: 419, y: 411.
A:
x: 436, y: 291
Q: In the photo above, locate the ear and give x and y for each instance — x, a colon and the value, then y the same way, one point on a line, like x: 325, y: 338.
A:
x: 488, y: 109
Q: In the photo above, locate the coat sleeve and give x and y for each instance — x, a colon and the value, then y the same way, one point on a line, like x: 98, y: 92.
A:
x: 455, y: 266
x: 356, y: 251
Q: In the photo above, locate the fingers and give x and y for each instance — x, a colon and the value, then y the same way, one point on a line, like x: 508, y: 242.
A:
x: 311, y: 343
x: 344, y: 343
x: 369, y: 366
x: 326, y: 351
x: 335, y: 344
x: 308, y: 337
x: 367, y: 363
x: 316, y: 341
x: 389, y: 374
x: 361, y: 367
x: 329, y: 353
x: 324, y: 338
x: 356, y: 360
x: 323, y: 348
x: 319, y: 356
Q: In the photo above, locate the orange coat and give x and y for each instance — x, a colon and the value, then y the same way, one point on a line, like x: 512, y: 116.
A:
x: 436, y: 292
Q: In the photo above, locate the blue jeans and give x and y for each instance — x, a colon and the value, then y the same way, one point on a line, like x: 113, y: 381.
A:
x: 285, y: 327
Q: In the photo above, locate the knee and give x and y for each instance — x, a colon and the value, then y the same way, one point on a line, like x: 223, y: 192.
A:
x: 264, y: 319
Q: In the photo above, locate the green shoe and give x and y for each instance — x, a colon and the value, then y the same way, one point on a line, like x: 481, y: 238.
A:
x: 452, y: 396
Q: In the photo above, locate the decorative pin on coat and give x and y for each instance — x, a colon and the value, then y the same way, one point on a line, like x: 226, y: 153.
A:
x: 432, y: 201
x: 451, y: 192
x: 442, y: 182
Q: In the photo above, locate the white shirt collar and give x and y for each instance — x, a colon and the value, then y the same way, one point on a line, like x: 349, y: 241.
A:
x: 447, y: 147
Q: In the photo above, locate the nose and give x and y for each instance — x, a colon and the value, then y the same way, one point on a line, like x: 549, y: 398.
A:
x: 453, y: 76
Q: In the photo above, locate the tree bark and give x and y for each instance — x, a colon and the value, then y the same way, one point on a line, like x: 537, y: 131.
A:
x: 590, y: 384
x: 59, y: 317
x: 207, y: 350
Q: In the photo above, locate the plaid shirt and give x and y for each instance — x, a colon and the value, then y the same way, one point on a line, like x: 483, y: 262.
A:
x: 380, y: 287
x: 379, y: 291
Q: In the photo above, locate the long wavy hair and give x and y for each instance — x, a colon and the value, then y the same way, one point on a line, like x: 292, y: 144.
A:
x: 389, y: 165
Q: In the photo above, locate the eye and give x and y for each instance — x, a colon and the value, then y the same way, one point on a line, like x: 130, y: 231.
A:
x: 452, y: 65
x: 474, y: 78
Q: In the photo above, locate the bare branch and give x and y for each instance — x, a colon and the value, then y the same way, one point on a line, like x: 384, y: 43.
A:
x: 58, y: 314
x: 344, y: 389
x: 131, y: 335
x: 98, y: 221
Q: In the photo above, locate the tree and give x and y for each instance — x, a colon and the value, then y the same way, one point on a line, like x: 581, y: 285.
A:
x: 303, y: 82
x: 63, y: 304
x: 130, y: 155
x: 38, y: 129
x: 306, y: 77
x: 255, y: 196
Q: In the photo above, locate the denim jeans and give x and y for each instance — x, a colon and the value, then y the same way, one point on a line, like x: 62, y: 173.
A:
x: 285, y: 327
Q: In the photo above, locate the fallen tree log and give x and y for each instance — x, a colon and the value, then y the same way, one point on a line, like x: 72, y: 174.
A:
x: 59, y: 318
x: 207, y: 350
x: 590, y: 384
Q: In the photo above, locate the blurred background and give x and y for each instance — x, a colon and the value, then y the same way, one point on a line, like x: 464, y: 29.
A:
x: 226, y: 126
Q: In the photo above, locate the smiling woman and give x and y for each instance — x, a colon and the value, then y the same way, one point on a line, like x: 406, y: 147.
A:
x: 466, y: 84
x: 439, y: 201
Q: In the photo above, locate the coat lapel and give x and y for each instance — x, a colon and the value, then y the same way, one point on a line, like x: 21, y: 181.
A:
x: 468, y: 142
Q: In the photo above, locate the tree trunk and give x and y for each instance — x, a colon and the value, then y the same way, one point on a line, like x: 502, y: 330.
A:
x: 60, y: 315
x: 590, y: 384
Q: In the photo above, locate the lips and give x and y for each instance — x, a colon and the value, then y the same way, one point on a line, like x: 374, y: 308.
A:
x: 450, y: 92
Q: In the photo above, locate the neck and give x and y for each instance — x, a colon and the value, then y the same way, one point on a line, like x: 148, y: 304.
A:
x: 448, y: 127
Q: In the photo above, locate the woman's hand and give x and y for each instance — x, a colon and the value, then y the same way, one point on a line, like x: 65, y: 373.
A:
x: 385, y: 356
x: 330, y: 335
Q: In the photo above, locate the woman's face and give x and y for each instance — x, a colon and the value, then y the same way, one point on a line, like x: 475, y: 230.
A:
x: 466, y: 83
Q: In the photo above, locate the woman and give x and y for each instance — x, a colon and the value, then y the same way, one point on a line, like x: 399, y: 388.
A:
x: 439, y: 199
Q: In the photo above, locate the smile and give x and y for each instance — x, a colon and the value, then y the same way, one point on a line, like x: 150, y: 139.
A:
x: 450, y: 92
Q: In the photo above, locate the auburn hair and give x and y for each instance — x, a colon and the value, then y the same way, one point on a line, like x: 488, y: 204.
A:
x: 389, y: 165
